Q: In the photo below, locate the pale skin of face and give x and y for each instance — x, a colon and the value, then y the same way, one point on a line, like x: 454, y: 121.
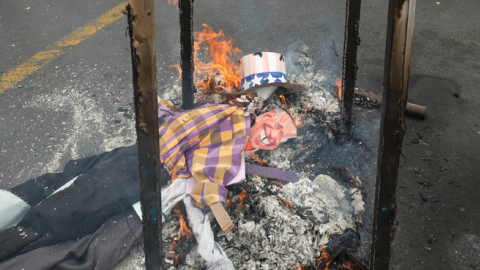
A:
x: 272, y: 127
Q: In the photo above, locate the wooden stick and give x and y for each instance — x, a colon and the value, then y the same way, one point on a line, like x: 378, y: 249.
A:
x: 412, y: 110
x: 141, y: 22
x: 397, y: 61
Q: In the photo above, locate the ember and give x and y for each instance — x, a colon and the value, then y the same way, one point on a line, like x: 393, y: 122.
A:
x: 242, y: 197
x: 350, y: 265
x: 338, y: 81
x: 305, y: 145
x: 276, y: 183
x: 258, y: 159
x: 229, y: 204
x: 299, y: 267
x: 282, y: 98
x: 288, y: 204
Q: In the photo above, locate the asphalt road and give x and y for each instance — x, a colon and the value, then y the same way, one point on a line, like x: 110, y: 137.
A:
x: 80, y: 104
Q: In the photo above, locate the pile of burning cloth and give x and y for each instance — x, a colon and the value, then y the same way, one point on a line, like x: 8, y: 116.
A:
x: 89, y: 216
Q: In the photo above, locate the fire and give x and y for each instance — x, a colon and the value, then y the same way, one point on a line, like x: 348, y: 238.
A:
x: 307, y: 107
x: 172, y: 252
x: 338, y: 81
x: 300, y: 267
x: 179, y: 68
x: 258, y: 178
x: 220, y: 48
x: 350, y: 265
x: 327, y: 256
x: 258, y: 159
x: 283, y: 99
x: 242, y: 197
x: 288, y: 204
x: 173, y: 2
x: 298, y: 122
x: 183, y: 233
x: 229, y: 204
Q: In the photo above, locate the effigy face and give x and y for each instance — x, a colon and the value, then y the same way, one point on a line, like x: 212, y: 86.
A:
x: 271, y: 129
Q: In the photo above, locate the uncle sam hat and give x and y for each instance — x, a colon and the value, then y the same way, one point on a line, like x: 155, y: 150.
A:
x: 264, y: 70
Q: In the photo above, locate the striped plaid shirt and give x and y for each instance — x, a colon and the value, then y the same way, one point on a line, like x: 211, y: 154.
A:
x: 206, y: 143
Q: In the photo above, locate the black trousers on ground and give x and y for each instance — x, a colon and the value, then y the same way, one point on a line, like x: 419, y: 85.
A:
x: 101, y: 250
x: 106, y: 187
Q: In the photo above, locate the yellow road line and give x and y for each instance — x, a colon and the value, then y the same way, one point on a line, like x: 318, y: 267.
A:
x: 40, y: 59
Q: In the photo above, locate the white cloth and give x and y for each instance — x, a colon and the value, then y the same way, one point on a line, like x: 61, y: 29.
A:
x: 210, y: 251
x: 12, y: 209
x: 170, y: 196
x: 207, y: 247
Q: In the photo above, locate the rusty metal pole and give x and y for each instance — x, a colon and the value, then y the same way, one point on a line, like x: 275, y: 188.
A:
x: 395, y: 89
x: 349, y: 71
x: 186, y: 52
x: 141, y: 22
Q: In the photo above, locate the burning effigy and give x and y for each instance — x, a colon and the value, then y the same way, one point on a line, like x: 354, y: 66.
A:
x: 257, y: 178
x: 276, y: 223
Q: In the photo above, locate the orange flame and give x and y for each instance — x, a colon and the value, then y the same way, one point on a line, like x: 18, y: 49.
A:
x: 283, y: 99
x: 172, y: 252
x: 350, y: 265
x: 338, y: 81
x: 242, y: 197
x: 183, y: 233
x: 179, y: 68
x: 288, y: 204
x: 229, y: 204
x: 258, y: 159
x: 173, y: 2
x: 258, y: 178
x: 220, y: 49
x: 307, y: 107
x: 327, y: 256
x: 298, y: 122
x: 299, y: 267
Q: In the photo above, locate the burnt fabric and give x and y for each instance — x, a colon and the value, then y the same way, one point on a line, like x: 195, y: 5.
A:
x: 102, y: 249
x: 105, y: 185
x: 206, y: 143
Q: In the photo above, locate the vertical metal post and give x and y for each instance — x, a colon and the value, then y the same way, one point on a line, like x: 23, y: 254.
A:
x: 395, y: 88
x: 186, y: 52
x: 349, y: 71
x: 141, y: 21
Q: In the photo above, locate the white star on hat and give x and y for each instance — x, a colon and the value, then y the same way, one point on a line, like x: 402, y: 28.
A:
x: 246, y: 85
x: 270, y: 78
x: 256, y: 80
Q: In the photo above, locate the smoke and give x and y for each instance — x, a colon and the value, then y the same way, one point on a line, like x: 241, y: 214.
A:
x: 295, y: 62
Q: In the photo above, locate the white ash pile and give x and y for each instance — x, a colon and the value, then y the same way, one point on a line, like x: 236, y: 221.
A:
x: 282, y: 227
